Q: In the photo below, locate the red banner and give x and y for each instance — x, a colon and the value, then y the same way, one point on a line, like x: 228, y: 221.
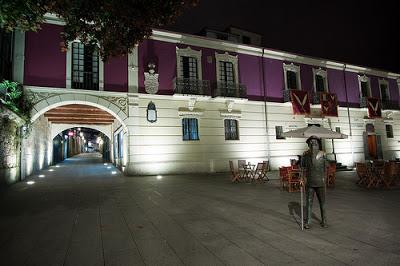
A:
x: 300, y: 102
x: 328, y: 104
x: 374, y: 107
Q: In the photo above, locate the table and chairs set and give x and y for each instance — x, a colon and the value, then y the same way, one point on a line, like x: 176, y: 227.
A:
x: 378, y: 173
x: 249, y: 172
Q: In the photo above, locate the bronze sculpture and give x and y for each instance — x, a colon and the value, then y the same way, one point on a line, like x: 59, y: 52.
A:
x: 314, y: 161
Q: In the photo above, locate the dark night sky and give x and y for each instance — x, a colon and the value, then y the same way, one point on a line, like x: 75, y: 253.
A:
x: 357, y: 32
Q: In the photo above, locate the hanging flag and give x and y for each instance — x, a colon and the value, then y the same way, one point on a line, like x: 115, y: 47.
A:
x: 300, y: 102
x: 374, y: 107
x: 328, y: 104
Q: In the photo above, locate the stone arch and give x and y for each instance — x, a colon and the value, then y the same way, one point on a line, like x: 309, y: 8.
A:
x: 117, y: 106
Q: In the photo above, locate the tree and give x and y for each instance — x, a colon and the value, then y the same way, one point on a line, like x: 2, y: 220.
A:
x: 116, y: 26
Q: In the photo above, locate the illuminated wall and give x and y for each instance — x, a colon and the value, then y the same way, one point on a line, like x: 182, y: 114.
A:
x: 37, y: 147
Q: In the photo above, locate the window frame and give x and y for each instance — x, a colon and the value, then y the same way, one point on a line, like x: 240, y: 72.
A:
x: 226, y: 57
x: 293, y: 68
x: 389, y: 133
x: 280, y: 137
x: 68, y: 69
x: 229, y: 132
x: 188, y: 52
x: 322, y: 73
x: 84, y: 61
x: 386, y: 83
x: 364, y: 78
x: 189, y: 125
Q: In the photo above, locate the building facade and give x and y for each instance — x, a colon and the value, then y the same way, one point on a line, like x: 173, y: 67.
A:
x: 184, y: 103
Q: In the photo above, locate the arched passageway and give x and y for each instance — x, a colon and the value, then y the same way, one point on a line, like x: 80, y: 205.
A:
x: 52, y: 122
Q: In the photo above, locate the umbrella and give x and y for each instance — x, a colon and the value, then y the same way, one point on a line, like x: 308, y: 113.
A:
x: 319, y: 132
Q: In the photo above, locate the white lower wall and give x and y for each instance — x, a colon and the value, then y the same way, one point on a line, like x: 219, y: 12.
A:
x: 158, y: 148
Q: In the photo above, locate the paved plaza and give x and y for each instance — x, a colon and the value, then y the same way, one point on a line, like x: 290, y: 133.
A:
x: 82, y: 212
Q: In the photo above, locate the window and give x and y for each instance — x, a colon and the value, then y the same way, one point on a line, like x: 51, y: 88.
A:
x: 291, y: 80
x: 291, y: 76
x: 190, y: 129
x: 189, y: 67
x: 227, y: 67
x: 231, y: 129
x: 278, y: 132
x: 188, y: 63
x: 337, y: 129
x: 85, y: 67
x: 365, y: 88
x: 389, y: 131
x: 384, y: 89
x: 226, y: 72
x: 320, y: 80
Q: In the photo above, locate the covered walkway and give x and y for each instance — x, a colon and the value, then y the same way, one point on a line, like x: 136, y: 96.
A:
x: 83, y: 212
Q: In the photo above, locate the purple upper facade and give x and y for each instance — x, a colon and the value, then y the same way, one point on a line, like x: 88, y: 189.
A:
x: 46, y: 65
x: 263, y: 77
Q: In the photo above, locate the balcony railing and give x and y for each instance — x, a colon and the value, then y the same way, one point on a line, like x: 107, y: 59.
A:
x: 191, y: 86
x: 363, y: 102
x: 228, y: 89
x: 85, y: 81
x: 286, y: 95
x: 316, y: 97
x: 390, y: 105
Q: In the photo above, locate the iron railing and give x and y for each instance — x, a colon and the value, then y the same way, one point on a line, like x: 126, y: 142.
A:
x: 286, y: 96
x: 315, y: 97
x: 89, y: 81
x: 191, y: 86
x: 363, y: 102
x: 229, y: 89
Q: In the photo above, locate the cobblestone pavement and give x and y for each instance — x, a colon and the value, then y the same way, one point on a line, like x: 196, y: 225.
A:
x: 82, y: 212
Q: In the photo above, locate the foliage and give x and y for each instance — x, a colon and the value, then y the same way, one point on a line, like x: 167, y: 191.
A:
x: 116, y: 26
x: 12, y: 97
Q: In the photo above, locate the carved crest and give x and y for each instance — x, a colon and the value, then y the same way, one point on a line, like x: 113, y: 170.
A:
x: 151, y: 80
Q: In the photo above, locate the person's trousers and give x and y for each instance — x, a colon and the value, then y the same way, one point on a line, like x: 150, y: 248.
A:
x: 320, y: 191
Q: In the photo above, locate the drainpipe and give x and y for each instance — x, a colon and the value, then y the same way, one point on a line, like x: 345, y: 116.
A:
x: 348, y: 114
x: 265, y: 106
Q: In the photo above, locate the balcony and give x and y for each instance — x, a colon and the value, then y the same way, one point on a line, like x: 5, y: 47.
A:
x: 187, y: 86
x: 363, y: 102
x: 229, y: 89
x: 390, y: 105
x: 315, y: 97
x: 286, y: 96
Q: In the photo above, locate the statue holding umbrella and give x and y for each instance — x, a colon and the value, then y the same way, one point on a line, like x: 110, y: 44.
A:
x: 313, y: 164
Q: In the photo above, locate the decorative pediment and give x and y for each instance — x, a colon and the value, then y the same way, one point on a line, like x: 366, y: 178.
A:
x: 186, y: 112
x: 291, y: 67
x: 231, y: 114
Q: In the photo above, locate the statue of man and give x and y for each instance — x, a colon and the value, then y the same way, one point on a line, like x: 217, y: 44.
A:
x: 314, y: 160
